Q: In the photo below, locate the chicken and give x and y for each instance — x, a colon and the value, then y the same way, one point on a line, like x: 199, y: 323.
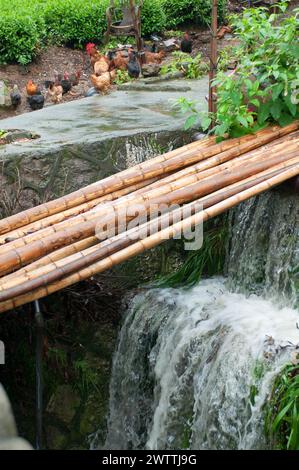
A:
x: 223, y: 31
x: 31, y: 88
x: 55, y: 92
x: 58, y: 77
x: 15, y: 96
x: 66, y: 83
x: 36, y: 101
x: 48, y: 83
x: 103, y: 83
x: 133, y: 65
x: 186, y: 44
x: 110, y: 55
x: 101, y: 66
x: 75, y: 78
x: 93, y: 53
x: 154, y: 58
x: 119, y: 62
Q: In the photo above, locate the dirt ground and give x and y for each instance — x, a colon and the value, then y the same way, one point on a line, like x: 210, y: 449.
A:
x: 53, y: 58
x: 63, y: 59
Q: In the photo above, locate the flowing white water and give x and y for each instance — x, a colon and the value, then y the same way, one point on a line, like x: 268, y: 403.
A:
x: 188, y: 364
x: 195, y: 368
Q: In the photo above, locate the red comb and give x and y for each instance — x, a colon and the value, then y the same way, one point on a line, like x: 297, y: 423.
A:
x: 89, y: 46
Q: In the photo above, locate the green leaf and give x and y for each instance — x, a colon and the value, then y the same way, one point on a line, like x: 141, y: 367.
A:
x: 264, y: 113
x: 275, y: 109
x: 255, y: 102
x: 276, y: 90
x: 206, y: 122
x: 190, y: 122
x: 291, y: 106
x: 242, y: 121
x: 280, y: 416
x: 285, y: 119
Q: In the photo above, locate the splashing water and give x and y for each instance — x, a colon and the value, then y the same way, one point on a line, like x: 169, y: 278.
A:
x: 194, y: 368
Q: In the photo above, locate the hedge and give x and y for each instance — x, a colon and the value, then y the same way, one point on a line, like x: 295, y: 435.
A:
x: 184, y: 11
x: 27, y: 25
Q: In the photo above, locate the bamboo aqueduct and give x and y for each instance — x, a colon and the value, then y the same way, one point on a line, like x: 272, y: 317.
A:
x: 54, y: 245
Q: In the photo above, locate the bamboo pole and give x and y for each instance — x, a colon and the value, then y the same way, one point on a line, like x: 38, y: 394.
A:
x: 150, y: 242
x: 206, y: 164
x: 66, y: 202
x: 55, y: 271
x: 79, y: 245
x: 147, y: 170
x: 66, y: 215
x: 179, y: 194
x: 51, y: 258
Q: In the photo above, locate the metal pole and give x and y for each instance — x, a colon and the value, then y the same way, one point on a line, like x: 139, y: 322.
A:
x: 39, y: 374
x: 213, y: 60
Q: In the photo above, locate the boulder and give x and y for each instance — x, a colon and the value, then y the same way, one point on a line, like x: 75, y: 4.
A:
x: 151, y: 70
x: 5, y: 101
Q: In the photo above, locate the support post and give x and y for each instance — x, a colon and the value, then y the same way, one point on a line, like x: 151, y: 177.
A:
x: 213, y: 60
x: 39, y: 321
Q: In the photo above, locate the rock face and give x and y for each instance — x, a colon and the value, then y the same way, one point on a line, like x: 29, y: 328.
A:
x: 8, y: 432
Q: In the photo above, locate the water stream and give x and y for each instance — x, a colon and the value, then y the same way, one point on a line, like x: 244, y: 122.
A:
x: 194, y: 367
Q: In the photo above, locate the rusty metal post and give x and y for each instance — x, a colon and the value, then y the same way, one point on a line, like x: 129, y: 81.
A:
x: 213, y: 60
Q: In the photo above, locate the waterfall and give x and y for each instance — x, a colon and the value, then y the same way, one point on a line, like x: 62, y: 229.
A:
x: 264, y: 247
x: 194, y: 367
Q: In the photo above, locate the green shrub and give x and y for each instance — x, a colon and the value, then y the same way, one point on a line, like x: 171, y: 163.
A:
x: 75, y: 22
x: 21, y: 32
x: 183, y: 11
x: 153, y: 18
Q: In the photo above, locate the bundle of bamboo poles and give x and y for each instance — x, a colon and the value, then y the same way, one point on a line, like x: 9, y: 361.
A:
x: 61, y: 242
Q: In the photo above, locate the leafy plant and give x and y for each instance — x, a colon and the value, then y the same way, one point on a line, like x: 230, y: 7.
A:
x: 153, y: 17
x: 264, y: 86
x: 183, y: 11
x: 195, y: 117
x: 193, y: 68
x: 282, y: 420
x: 122, y: 76
x: 88, y: 378
x: 208, y: 260
x: 75, y: 22
x: 21, y: 32
x: 229, y: 57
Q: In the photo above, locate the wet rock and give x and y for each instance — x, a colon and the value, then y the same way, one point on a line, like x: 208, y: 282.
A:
x: 91, y: 92
x: 64, y: 403
x: 5, y: 100
x: 56, y: 439
x: 151, y: 70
